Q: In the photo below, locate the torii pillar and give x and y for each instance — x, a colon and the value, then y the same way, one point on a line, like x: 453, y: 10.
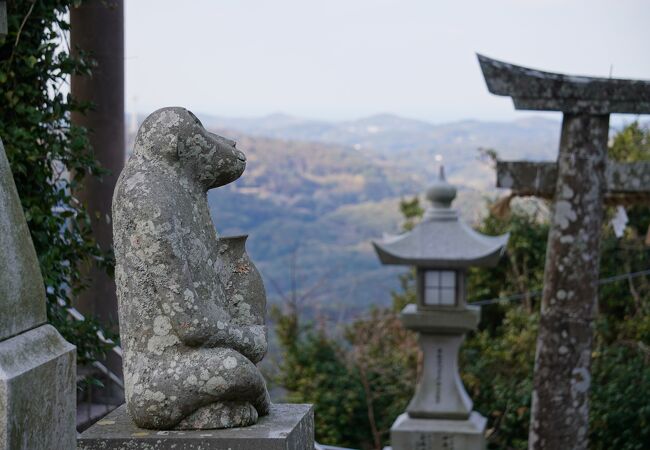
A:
x: 580, y: 182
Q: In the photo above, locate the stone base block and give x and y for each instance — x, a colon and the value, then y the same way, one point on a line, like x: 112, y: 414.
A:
x: 37, y: 391
x: 433, y: 434
x: 287, y: 427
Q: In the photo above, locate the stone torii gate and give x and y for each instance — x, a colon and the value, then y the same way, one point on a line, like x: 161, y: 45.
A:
x: 581, y: 181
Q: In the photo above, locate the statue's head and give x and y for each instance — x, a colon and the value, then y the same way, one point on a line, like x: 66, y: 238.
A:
x: 174, y: 135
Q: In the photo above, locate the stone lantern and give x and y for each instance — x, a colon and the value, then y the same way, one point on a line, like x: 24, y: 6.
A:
x: 441, y: 247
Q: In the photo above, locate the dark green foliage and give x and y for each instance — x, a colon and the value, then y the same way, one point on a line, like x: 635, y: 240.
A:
x: 620, y: 397
x: 49, y: 156
x: 313, y: 371
x: 358, y: 383
x: 497, y: 360
x: 386, y: 359
x: 521, y: 271
x: 631, y: 144
x: 497, y: 366
x: 412, y: 211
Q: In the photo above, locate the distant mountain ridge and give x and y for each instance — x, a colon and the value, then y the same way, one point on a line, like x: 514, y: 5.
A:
x: 384, y: 129
x: 413, y: 144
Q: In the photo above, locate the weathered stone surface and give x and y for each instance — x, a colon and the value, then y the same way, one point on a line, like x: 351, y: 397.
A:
x: 408, y: 433
x: 536, y: 90
x: 563, y: 357
x: 242, y: 281
x: 440, y: 393
x: 191, y: 305
x: 624, y: 182
x: 287, y: 427
x: 22, y: 294
x: 440, y: 321
x: 37, y: 391
x: 37, y: 366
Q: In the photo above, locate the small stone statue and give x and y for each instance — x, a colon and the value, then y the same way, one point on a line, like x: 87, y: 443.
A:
x: 191, y: 304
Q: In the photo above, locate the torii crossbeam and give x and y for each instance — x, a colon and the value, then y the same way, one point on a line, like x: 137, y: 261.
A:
x: 625, y: 183
x: 581, y: 182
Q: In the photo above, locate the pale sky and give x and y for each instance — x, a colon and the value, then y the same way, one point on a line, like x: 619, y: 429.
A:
x: 345, y: 59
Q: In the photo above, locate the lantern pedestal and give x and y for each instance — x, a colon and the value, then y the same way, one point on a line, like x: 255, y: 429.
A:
x: 432, y: 434
x: 440, y: 414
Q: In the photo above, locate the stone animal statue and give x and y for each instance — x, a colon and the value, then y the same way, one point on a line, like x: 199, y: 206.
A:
x: 191, y: 304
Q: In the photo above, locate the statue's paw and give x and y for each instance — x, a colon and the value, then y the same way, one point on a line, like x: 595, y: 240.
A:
x: 263, y: 404
x: 220, y: 415
x: 237, y: 414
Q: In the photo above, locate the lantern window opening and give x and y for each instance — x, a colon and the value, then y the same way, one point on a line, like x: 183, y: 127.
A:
x: 440, y: 288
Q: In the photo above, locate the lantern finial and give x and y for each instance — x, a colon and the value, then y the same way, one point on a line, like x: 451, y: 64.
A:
x: 441, y: 193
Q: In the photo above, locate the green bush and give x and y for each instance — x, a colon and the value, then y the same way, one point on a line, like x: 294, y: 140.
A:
x: 620, y: 398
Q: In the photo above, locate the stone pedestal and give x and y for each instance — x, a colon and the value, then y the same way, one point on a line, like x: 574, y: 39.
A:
x: 37, y: 366
x: 440, y: 393
x: 287, y: 427
x: 408, y: 433
x: 37, y: 391
x: 440, y: 414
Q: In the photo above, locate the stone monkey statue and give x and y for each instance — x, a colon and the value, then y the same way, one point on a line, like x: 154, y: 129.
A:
x: 191, y: 304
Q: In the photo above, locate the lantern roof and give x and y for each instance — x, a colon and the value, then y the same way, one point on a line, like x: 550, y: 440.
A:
x: 441, y: 239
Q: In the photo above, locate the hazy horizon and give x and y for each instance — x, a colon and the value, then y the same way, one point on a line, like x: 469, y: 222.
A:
x: 339, y: 60
x: 616, y: 120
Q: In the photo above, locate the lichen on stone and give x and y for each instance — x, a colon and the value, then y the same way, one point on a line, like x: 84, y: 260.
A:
x: 192, y: 321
